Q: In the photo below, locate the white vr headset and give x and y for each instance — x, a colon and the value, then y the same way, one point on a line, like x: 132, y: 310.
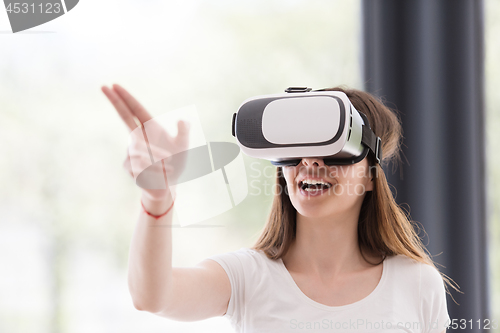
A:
x: 284, y: 128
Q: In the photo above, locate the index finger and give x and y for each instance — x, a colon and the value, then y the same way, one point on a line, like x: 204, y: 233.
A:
x: 120, y: 107
x: 134, y: 106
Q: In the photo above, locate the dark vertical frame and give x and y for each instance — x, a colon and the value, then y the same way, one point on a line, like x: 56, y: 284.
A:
x: 426, y: 59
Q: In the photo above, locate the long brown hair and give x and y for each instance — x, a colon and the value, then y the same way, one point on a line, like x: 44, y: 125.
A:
x: 384, y: 228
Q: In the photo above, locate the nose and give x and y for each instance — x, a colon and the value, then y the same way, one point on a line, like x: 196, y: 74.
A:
x: 312, y: 161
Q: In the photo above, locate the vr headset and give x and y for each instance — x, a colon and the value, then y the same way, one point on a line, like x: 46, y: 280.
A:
x: 284, y: 128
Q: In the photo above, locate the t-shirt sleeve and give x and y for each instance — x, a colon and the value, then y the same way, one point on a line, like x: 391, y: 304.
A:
x: 433, y: 300
x: 236, y: 264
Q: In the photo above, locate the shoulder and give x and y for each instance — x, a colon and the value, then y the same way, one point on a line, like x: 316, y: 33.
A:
x: 425, y: 283
x: 243, y: 253
x: 427, y: 276
x: 403, y: 261
x: 245, y: 259
x: 247, y: 270
x: 430, y: 276
x: 432, y: 285
x: 403, y: 265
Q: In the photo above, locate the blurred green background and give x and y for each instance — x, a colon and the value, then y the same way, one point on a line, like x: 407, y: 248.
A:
x: 68, y: 208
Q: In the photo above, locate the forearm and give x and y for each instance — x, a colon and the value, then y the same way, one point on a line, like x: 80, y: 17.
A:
x: 150, y: 256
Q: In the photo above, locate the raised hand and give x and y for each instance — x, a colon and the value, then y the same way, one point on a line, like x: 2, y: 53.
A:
x: 151, y: 146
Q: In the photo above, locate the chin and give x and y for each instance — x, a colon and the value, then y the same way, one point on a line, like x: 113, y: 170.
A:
x: 312, y: 213
x: 310, y: 208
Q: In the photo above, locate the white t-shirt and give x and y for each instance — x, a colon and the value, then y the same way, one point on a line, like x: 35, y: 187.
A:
x: 410, y: 297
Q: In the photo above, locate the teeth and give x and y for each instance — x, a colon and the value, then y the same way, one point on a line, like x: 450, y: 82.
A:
x: 315, y: 182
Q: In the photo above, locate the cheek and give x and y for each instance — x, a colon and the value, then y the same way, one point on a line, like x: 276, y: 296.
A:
x: 289, y: 174
x: 353, y: 181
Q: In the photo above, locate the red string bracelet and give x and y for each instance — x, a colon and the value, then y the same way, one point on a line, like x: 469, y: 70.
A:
x: 158, y: 216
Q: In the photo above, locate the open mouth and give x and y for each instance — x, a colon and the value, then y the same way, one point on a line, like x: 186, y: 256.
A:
x: 313, y: 185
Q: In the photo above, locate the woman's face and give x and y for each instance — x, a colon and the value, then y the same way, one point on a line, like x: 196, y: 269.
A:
x: 319, y: 190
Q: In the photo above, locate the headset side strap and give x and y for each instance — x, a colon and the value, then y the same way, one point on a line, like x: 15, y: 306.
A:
x: 373, y: 142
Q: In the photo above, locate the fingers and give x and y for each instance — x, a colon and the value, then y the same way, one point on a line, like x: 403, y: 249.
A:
x: 120, y: 107
x: 132, y: 112
x: 133, y: 105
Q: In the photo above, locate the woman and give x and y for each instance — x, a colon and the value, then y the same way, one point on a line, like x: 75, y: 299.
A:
x: 342, y: 259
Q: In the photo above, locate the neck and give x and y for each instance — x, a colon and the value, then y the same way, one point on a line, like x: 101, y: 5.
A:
x: 325, y: 246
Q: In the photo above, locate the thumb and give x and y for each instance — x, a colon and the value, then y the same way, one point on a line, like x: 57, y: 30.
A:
x: 182, y: 132
x: 183, y: 127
